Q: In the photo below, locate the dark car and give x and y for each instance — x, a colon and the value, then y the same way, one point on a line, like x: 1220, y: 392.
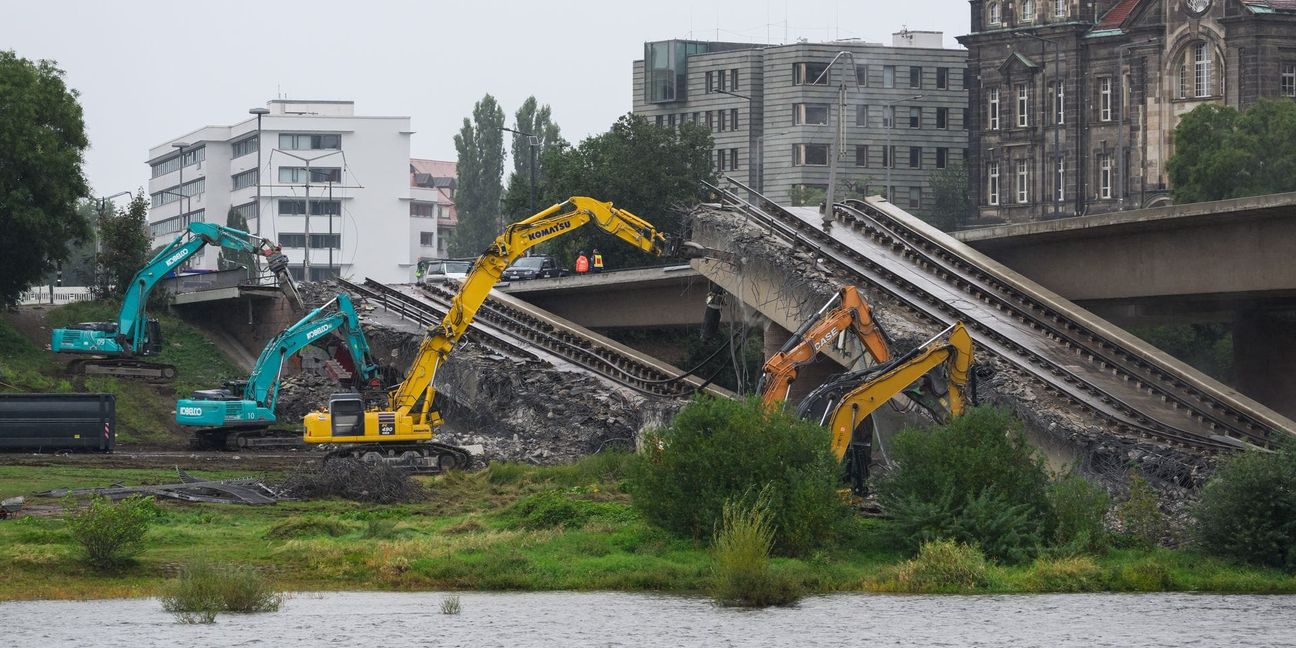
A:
x: 532, y: 267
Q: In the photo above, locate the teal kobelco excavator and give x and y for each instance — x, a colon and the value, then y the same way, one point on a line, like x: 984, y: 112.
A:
x: 118, y: 345
x: 240, y: 414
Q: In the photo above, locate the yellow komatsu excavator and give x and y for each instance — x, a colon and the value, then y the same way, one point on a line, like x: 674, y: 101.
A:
x: 935, y: 375
x: 846, y: 311
x: 401, y: 432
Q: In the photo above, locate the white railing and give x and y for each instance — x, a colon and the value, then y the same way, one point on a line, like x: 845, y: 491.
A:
x: 55, y: 295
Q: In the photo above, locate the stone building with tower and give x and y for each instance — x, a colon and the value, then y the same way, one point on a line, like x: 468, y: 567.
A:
x: 1073, y: 103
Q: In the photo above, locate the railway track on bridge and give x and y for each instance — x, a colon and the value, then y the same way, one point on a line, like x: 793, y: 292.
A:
x: 1029, y: 329
x: 515, y: 332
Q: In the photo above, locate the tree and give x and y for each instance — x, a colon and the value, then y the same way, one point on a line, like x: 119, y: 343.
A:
x: 124, y: 247
x: 230, y: 259
x: 480, y: 144
x: 42, y: 140
x: 79, y: 266
x: 539, y: 122
x: 653, y: 172
x: 952, y: 197
x: 1221, y: 153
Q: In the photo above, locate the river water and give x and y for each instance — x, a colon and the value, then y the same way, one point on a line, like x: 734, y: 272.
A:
x: 391, y: 620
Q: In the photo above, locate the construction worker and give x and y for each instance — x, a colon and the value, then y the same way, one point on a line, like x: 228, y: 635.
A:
x: 582, y: 263
x: 598, y: 261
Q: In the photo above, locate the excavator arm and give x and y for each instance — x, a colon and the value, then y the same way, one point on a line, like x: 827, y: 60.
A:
x: 845, y: 403
x: 847, y: 310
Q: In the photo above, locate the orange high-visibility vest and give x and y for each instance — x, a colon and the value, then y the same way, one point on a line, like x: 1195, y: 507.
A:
x: 598, y: 261
x: 582, y: 264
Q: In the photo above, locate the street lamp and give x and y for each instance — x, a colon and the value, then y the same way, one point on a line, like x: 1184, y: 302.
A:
x: 306, y: 249
x: 1057, y: 108
x: 759, y: 154
x: 103, y: 204
x: 258, y: 112
x: 890, y: 154
x: 534, y: 143
x: 836, y: 153
x: 181, y: 145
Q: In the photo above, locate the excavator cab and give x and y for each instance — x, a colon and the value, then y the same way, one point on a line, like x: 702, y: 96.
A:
x: 152, y: 337
x: 348, y: 414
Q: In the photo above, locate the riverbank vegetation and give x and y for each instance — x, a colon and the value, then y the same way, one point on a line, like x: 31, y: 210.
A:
x: 581, y: 527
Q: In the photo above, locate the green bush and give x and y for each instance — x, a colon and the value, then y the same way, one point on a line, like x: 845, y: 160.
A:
x: 940, y: 566
x: 553, y: 509
x: 505, y: 472
x: 300, y: 527
x: 1141, y: 520
x: 1066, y: 574
x: 202, y: 590
x: 110, y: 533
x: 975, y: 480
x: 1079, y: 506
x: 1148, y: 575
x: 741, y: 574
x: 1247, y: 512
x: 717, y: 450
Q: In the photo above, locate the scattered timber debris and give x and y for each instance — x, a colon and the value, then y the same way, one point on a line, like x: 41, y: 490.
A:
x: 243, y: 490
x: 354, y: 480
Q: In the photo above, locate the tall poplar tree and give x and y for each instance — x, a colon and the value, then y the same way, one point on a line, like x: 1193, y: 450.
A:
x: 480, y: 145
x: 538, y: 121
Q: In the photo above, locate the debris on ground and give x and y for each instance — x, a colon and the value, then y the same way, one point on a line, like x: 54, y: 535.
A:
x: 242, y: 490
x: 9, y: 507
x: 354, y: 480
x: 302, y: 394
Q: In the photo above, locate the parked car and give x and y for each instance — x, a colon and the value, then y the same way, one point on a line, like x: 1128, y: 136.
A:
x: 533, y: 267
x: 449, y: 269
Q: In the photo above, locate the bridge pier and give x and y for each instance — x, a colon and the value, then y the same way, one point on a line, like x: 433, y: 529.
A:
x: 1264, y: 357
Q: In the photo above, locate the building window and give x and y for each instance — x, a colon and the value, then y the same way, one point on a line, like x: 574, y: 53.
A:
x: 245, y: 146
x: 942, y: 118
x: 942, y: 78
x: 1023, y: 176
x: 292, y: 207
x: 995, y: 18
x: 670, y: 120
x: 1060, y: 8
x: 809, y: 74
x: 992, y: 183
x: 169, y: 165
x: 191, y: 157
x: 318, y: 241
x: 915, y: 76
x: 1061, y: 179
x: 1028, y: 10
x: 427, y: 239
x: 733, y: 118
x: 942, y: 157
x: 993, y: 96
x: 964, y: 124
x: 297, y: 175
x: 915, y: 117
x: 809, y: 155
x: 724, y: 120
x: 915, y: 197
x: 710, y: 81
x: 888, y: 156
x: 733, y: 159
x: 1104, y: 176
x: 246, y: 210
x: 861, y: 116
x: 915, y: 157
x: 888, y: 76
x: 1023, y: 107
x: 733, y: 80
x: 861, y: 155
x: 173, y: 193
x: 176, y: 223
x: 1104, y: 99
x: 661, y: 121
x: 1202, y: 69
x: 861, y: 75
x: 1288, y: 80
x: 246, y: 179
x: 720, y: 81
x: 710, y: 120
x: 809, y: 114
x: 1059, y: 104
x: 292, y: 142
x: 423, y: 210
x: 888, y: 116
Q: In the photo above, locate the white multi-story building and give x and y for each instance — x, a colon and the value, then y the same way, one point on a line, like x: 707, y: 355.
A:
x: 362, y: 219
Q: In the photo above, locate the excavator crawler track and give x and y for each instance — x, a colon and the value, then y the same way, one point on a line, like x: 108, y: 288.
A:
x: 428, y: 457
x: 154, y: 372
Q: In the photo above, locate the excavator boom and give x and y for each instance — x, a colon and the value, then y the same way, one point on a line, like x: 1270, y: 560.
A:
x: 410, y: 416
x: 846, y: 311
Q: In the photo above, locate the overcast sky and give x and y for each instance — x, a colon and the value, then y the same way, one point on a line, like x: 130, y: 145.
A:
x: 148, y: 72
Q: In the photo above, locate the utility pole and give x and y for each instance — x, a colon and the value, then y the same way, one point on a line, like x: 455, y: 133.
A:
x: 836, y: 152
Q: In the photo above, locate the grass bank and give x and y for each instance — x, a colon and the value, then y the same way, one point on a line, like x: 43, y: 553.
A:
x: 510, y: 528
x: 144, y: 410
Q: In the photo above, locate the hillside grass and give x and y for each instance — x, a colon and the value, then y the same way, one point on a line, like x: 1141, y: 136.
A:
x: 144, y: 410
x: 511, y: 527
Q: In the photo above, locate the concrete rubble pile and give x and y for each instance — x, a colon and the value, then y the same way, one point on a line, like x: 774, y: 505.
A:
x: 1066, y: 433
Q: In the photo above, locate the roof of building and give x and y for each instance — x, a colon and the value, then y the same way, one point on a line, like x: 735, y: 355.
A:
x: 435, y: 168
x: 1116, y: 17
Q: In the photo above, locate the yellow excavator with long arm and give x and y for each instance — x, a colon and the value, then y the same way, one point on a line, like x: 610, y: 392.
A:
x: 401, y: 432
x: 849, y: 312
x: 936, y: 375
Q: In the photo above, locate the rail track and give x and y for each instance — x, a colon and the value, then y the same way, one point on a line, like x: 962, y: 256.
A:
x: 515, y: 333
x: 1071, y: 356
